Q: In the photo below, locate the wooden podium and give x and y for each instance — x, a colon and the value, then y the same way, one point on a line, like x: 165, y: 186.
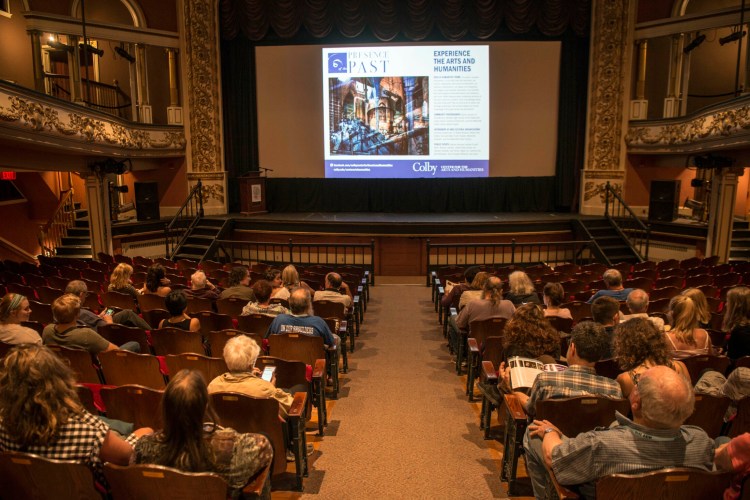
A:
x: 252, y: 193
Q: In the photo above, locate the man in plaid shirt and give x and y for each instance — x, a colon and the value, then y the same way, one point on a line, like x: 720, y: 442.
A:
x: 588, y: 344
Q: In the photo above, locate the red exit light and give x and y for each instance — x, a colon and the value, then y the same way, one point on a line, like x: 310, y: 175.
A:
x: 8, y: 176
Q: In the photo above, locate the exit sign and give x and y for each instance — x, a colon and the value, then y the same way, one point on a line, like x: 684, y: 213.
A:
x: 8, y: 176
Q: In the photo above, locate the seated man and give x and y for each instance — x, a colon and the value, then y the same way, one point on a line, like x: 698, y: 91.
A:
x: 653, y: 440
x: 606, y: 312
x: 613, y: 281
x: 452, y: 298
x: 490, y: 305
x: 240, y: 354
x: 89, y: 319
x: 638, y: 305
x: 262, y: 304
x: 239, y: 285
x: 589, y: 343
x: 66, y: 331
x: 302, y: 321
x: 336, y: 291
x: 200, y: 287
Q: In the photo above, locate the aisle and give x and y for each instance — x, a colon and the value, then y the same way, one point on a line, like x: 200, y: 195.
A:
x: 404, y: 428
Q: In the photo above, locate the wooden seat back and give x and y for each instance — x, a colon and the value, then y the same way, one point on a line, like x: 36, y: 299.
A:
x: 329, y: 309
x: 562, y: 325
x: 608, y: 368
x: 209, y: 367
x: 119, y: 334
x: 231, y: 305
x: 149, y: 301
x: 254, y: 323
x: 155, y: 481
x: 482, y: 330
x: 696, y: 364
x: 176, y: 341
x: 288, y: 373
x: 296, y: 347
x: 29, y: 476
x: 155, y: 316
x: 211, y: 321
x: 81, y: 363
x: 709, y: 413
x: 580, y: 414
x: 111, y: 298
x: 137, y: 404
x: 199, y: 304
x: 217, y: 340
x: 667, y: 484
x: 124, y: 367
x: 741, y: 422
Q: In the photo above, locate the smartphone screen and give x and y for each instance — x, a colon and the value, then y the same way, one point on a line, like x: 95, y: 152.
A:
x: 268, y: 373
x: 109, y: 312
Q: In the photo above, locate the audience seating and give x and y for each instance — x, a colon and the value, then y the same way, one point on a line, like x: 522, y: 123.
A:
x: 218, y: 339
x: 254, y: 323
x: 709, y: 413
x: 308, y: 349
x: 199, y: 304
x: 37, y: 326
x: 176, y: 341
x: 247, y: 414
x: 578, y: 310
x: 741, y: 422
x: 41, y: 312
x: 119, y: 334
x: 697, y: 363
x: 29, y: 476
x: 231, y: 306
x: 136, y: 404
x: 149, y: 301
x: 155, y: 316
x: 119, y: 300
x: 208, y: 366
x: 81, y: 363
x: 124, y: 367
x: 211, y: 321
x: 86, y: 396
x: 479, y: 333
x: 664, y: 294
x: 562, y: 325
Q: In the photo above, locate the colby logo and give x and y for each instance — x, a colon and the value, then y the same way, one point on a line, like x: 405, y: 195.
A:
x: 424, y: 167
x: 337, y: 62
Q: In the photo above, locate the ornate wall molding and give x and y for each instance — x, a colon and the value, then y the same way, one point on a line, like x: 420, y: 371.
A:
x: 214, y: 190
x: 31, y: 117
x: 720, y: 127
x: 608, y: 77
x: 201, y: 62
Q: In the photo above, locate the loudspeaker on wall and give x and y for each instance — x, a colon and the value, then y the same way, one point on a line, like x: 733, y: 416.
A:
x: 147, y: 201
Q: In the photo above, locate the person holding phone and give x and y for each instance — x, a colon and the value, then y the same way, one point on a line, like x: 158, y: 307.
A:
x: 240, y: 354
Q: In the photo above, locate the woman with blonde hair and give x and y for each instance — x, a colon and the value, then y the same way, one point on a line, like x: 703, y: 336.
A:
x: 699, y: 299
x: 737, y: 322
x: 521, y: 289
x: 40, y: 413
x: 686, y: 338
x: 14, y: 308
x: 475, y: 291
x: 290, y: 281
x: 119, y: 281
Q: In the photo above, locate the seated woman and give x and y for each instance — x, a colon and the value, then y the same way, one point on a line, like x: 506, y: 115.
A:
x: 290, y: 281
x: 176, y: 304
x: 120, y: 280
x: 40, y: 413
x: 699, y: 299
x: 638, y: 346
x: 475, y: 290
x: 686, y: 338
x: 188, y: 444
x: 554, y: 295
x: 530, y: 335
x: 737, y: 322
x: 156, y: 281
x: 521, y: 289
x: 14, y: 308
x: 273, y: 276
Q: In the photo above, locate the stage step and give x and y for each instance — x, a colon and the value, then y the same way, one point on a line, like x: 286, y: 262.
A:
x: 612, y: 244
x: 201, y: 238
x: 740, y: 245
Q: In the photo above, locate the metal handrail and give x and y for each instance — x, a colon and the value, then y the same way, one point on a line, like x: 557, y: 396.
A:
x: 51, y: 234
x: 187, y: 217
x: 505, y: 254
x: 108, y: 98
x: 281, y: 254
x: 626, y: 222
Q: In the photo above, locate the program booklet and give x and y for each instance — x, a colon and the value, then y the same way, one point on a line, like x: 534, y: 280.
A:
x: 523, y: 371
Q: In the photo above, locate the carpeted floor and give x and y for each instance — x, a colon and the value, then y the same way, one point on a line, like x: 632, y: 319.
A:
x: 402, y: 427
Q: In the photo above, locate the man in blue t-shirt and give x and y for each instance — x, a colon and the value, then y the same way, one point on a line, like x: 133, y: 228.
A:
x: 302, y: 321
x: 613, y: 280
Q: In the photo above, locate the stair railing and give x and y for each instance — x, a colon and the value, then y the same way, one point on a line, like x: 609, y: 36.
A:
x: 187, y: 217
x: 631, y: 228
x: 56, y: 228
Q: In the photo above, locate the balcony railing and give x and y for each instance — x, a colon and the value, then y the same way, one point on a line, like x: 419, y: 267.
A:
x: 105, y: 98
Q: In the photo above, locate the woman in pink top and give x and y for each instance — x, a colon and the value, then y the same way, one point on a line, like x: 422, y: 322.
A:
x: 686, y: 338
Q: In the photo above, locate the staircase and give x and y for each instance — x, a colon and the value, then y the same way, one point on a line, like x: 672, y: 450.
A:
x: 740, y: 246
x: 613, y: 245
x: 201, y: 237
x: 76, y: 244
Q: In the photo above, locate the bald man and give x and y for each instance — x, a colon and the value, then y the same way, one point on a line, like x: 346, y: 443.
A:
x: 654, y: 439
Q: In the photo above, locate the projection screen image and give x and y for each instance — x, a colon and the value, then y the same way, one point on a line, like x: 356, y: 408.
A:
x: 383, y: 122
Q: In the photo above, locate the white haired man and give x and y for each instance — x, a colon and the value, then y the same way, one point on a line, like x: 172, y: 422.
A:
x: 654, y: 439
x: 201, y: 288
x: 638, y: 305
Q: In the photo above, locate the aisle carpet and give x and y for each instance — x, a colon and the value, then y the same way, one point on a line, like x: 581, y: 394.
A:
x: 403, y: 427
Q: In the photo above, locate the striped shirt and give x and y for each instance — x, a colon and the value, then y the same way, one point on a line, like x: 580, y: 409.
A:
x: 629, y: 448
x: 575, y: 381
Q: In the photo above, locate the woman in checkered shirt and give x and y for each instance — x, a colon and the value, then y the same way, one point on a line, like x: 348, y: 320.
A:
x: 40, y: 413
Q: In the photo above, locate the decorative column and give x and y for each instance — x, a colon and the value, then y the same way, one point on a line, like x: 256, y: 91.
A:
x: 36, y: 59
x: 201, y: 83
x: 144, y: 103
x: 639, y: 105
x: 97, y: 197
x: 672, y: 101
x: 74, y: 64
x: 174, y: 111
x: 721, y: 215
x: 609, y: 94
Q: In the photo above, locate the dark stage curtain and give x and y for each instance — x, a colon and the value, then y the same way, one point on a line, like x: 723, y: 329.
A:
x: 264, y: 22
x: 494, y: 194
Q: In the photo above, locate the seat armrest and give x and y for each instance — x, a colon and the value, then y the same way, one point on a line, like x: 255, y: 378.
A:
x: 489, y: 374
x: 298, y: 405
x: 563, y: 493
x: 257, y: 483
x: 473, y: 345
x: 515, y: 408
x: 319, y: 368
x: 453, y: 311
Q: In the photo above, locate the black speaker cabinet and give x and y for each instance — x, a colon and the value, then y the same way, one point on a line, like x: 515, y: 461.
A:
x: 664, y: 200
x: 147, y: 201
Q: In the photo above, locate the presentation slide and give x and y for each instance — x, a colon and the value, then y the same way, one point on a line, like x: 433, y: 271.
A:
x: 406, y: 111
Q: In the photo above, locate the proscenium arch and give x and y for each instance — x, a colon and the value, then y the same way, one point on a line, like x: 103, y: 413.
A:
x: 139, y: 20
